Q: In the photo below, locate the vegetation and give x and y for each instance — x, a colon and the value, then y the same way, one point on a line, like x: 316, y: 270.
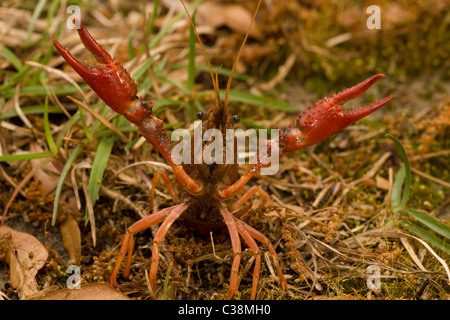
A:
x: 72, y: 172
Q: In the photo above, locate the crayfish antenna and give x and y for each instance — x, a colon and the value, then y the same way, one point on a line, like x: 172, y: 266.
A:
x: 227, y: 91
x: 213, y: 78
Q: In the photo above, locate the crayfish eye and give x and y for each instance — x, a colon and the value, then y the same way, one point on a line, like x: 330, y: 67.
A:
x: 199, y: 115
x: 236, y: 118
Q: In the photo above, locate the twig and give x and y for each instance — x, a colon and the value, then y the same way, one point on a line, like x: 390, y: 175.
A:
x: 399, y: 234
x: 430, y: 155
x: 427, y: 176
x: 412, y: 254
x: 59, y: 73
x: 283, y: 70
x: 118, y: 196
x: 326, y: 167
x: 89, y: 207
x: 19, y: 110
x: 214, y: 249
x: 441, y: 261
x: 97, y: 116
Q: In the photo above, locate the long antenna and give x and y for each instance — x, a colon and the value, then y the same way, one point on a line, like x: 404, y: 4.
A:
x: 215, y: 83
x: 227, y: 92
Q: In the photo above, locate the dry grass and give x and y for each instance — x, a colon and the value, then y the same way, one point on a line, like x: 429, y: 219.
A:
x: 329, y: 224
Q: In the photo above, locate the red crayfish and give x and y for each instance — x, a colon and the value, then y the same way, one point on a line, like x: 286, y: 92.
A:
x: 205, y: 194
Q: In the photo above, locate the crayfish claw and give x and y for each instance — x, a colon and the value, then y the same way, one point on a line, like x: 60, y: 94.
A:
x: 107, y: 78
x: 328, y: 117
x: 89, y: 42
x: 356, y: 90
x: 355, y: 115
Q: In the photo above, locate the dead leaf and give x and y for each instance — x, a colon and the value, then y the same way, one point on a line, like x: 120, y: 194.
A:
x: 47, y: 176
x: 26, y: 256
x: 90, y: 291
x: 71, y: 235
x: 234, y: 16
x: 382, y: 183
x: 70, y: 231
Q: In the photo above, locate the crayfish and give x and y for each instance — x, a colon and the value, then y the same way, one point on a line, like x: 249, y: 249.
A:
x: 207, y: 196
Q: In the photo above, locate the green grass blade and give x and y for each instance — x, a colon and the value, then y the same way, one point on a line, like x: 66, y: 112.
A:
x: 396, y: 196
x: 143, y: 68
x: 404, y: 156
x: 425, y: 235
x: 67, y: 126
x: 159, y: 103
x: 29, y: 110
x: 97, y: 125
x: 51, y: 14
x: 25, y: 156
x: 151, y: 23
x: 87, y: 133
x: 221, y: 72
x: 178, y: 85
x: 36, y: 13
x: 131, y: 51
x: 166, y: 281
x: 12, y: 82
x: 430, y: 222
x: 62, y: 179
x: 167, y: 27
x: 245, y: 97
x: 390, y: 223
x: 12, y: 58
x: 159, y: 67
x: 48, y: 134
x: 102, y: 154
x: 251, y: 124
x: 35, y: 90
x: 191, y: 56
x: 175, y: 83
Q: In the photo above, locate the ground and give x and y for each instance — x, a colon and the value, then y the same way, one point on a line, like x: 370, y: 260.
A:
x: 334, y: 225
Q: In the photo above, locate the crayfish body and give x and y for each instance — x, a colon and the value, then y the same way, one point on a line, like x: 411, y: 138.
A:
x: 205, y: 194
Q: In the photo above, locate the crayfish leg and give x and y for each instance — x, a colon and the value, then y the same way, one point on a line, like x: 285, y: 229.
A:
x: 236, y: 245
x: 160, y: 234
x: 128, y: 242
x: 265, y: 241
x: 256, y: 253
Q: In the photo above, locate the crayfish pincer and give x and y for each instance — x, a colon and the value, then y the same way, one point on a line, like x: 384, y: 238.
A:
x: 206, y: 196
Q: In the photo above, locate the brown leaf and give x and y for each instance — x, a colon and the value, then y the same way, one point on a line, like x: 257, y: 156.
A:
x: 47, y: 176
x: 26, y: 255
x: 71, y: 235
x: 70, y: 231
x: 382, y: 183
x: 90, y: 291
x: 234, y: 16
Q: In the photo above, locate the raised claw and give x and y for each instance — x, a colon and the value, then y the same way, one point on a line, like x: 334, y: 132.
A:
x: 113, y: 84
x: 108, y: 78
x: 328, y: 117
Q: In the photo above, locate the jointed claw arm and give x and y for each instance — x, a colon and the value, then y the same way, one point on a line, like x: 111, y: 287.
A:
x: 113, y: 84
x: 314, y: 125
